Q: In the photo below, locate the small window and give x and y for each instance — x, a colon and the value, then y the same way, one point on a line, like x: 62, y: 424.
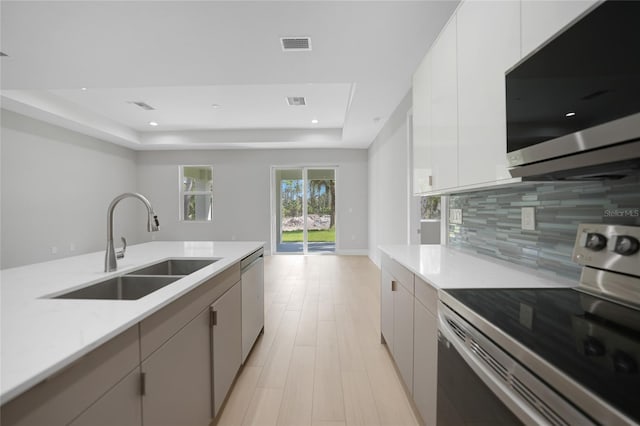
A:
x: 430, y: 208
x: 196, y: 193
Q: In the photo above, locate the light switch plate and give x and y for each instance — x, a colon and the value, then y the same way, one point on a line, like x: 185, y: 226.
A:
x: 455, y: 216
x: 528, y: 218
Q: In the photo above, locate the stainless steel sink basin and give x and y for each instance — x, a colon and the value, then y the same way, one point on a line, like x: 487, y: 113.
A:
x: 121, y: 288
x: 174, y: 267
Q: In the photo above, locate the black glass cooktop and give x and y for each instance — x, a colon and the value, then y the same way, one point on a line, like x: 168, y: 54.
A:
x: 595, y: 342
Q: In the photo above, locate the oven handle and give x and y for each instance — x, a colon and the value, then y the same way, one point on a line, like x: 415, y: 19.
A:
x: 483, y: 351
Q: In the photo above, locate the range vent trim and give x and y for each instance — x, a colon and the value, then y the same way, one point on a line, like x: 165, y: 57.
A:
x: 296, y: 101
x: 508, y: 375
x: 457, y: 329
x: 295, y: 44
x: 145, y: 106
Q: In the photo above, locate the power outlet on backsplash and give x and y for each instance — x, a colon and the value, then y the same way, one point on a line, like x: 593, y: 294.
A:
x: 455, y: 216
x: 528, y: 219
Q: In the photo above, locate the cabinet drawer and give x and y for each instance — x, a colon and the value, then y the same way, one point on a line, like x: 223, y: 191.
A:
x: 159, y: 327
x: 63, y: 396
x: 398, y: 272
x: 427, y: 295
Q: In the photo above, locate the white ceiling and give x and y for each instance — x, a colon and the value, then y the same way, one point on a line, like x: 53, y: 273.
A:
x: 182, y: 57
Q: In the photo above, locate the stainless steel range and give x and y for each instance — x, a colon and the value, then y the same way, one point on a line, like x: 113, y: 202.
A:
x: 548, y: 356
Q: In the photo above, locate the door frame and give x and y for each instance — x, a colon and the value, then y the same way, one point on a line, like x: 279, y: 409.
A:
x: 274, y: 203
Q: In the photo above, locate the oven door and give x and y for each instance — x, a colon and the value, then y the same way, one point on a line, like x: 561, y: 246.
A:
x: 479, y: 383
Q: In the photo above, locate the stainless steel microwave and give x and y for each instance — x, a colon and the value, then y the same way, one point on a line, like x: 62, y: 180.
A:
x: 573, y: 105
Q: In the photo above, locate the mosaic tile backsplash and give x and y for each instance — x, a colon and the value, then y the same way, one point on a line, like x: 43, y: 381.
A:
x: 491, y: 220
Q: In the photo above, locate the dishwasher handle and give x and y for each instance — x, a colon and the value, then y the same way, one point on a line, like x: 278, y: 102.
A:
x: 248, y: 261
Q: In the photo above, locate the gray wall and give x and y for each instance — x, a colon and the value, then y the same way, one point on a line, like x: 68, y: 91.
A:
x: 56, y: 186
x: 389, y: 189
x: 242, y: 204
x: 491, y: 220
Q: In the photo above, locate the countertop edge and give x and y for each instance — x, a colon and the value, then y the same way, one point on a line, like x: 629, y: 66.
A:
x: 545, y: 279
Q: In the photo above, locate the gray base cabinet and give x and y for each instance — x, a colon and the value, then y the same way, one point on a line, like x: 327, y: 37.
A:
x: 227, y: 343
x: 409, y: 327
x: 425, y: 369
x: 403, y: 334
x: 65, y: 396
x: 120, y: 406
x: 396, y: 316
x: 386, y: 308
x: 177, y: 378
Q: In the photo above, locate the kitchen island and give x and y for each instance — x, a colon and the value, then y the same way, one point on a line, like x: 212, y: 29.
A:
x: 42, y: 337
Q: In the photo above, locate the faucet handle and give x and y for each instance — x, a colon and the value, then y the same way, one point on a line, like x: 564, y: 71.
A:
x: 120, y: 253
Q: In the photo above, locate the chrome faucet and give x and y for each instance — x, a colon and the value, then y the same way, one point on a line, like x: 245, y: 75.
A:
x: 153, y: 225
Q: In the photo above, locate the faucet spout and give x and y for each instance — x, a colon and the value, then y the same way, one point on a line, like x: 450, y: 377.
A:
x: 153, y: 225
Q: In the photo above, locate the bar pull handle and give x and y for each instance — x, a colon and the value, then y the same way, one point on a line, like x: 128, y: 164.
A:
x: 143, y: 384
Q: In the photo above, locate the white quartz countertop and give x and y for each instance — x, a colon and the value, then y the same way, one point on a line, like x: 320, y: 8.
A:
x: 40, y: 336
x: 449, y: 268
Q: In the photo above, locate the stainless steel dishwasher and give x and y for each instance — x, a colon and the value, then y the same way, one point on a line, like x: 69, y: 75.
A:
x: 252, y: 299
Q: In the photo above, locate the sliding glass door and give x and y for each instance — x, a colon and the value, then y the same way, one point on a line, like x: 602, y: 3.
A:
x: 305, y: 210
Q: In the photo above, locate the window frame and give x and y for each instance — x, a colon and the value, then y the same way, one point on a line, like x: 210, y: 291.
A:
x: 182, y: 193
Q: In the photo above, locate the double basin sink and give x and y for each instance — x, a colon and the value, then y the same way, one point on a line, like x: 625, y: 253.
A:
x: 140, y: 282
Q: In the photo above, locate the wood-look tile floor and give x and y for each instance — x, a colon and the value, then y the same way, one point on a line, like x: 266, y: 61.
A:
x: 320, y: 361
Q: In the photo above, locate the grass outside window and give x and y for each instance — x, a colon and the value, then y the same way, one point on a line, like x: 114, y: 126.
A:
x: 314, y: 236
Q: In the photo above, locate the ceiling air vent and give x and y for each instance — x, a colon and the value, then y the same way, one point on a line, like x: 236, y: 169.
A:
x: 290, y: 44
x: 296, y: 101
x: 145, y: 106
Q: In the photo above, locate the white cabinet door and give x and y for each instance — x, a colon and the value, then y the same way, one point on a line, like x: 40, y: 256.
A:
x: 444, y: 109
x: 425, y: 373
x: 386, y: 308
x: 227, y: 343
x: 403, y: 333
x: 541, y: 20
x: 488, y: 44
x: 422, y: 172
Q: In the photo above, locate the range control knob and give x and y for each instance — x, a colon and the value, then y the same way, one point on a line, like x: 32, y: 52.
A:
x: 624, y: 363
x: 596, y: 242
x: 626, y: 245
x: 593, y: 347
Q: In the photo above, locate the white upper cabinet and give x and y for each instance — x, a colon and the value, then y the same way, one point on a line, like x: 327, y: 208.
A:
x: 459, y: 110
x: 444, y: 109
x: 543, y: 19
x: 435, y: 119
x: 488, y: 44
x: 422, y: 172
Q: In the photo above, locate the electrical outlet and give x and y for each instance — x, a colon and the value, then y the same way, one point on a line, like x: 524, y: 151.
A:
x: 526, y: 315
x: 54, y: 250
x: 72, y: 246
x: 528, y: 218
x: 455, y: 216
